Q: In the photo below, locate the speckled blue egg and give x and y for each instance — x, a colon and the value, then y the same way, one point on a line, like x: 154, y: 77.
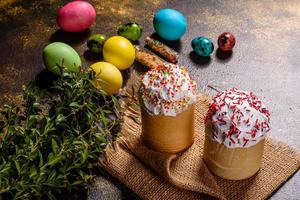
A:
x: 202, y: 46
x: 169, y: 24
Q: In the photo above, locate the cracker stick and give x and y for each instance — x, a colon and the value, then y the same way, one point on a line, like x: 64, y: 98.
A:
x: 162, y: 49
x: 147, y: 58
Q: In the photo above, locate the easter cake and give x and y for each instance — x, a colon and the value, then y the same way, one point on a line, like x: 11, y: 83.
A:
x: 236, y: 127
x: 167, y: 96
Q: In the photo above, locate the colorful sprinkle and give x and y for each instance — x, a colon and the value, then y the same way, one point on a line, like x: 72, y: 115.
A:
x: 239, y: 118
x: 167, y: 90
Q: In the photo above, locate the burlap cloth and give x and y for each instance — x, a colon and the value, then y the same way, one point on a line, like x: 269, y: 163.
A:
x: 154, y: 175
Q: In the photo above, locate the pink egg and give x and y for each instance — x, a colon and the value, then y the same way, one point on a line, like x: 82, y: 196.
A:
x: 76, y: 16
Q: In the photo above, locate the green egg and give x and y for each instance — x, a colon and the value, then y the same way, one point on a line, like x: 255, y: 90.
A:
x: 59, y: 54
x: 131, y: 31
x: 95, y: 43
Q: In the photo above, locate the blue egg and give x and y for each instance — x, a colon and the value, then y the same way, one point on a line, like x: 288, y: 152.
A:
x: 202, y: 46
x: 169, y: 24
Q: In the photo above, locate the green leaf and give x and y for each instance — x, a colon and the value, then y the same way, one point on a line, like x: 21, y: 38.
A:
x: 52, y: 176
x: 42, y: 177
x: 32, y: 171
x: 49, y: 126
x: 17, y: 166
x: 60, y: 118
x: 107, y: 111
x: 74, y: 105
x: 78, y: 182
x: 55, y: 160
x: 28, y: 141
x: 101, y: 138
x: 50, y: 156
x: 78, y: 143
x: 84, y: 155
x: 55, y: 147
x: 41, y: 161
x: 5, y: 169
x: 116, y: 102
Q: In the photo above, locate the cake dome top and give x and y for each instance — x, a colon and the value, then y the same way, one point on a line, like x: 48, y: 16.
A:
x: 238, y: 118
x: 167, y: 90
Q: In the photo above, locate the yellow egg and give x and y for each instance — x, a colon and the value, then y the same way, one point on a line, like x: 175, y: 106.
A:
x: 119, y: 51
x: 108, y: 77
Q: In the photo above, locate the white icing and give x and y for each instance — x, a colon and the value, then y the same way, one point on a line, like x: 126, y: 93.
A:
x: 167, y: 90
x: 239, y: 119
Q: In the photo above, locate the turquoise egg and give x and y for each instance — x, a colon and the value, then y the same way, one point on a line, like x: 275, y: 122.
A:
x: 202, y: 46
x: 57, y: 55
x: 131, y: 31
x: 169, y: 24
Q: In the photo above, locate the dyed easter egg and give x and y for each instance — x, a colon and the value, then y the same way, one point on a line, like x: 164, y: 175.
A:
x: 131, y: 31
x: 95, y: 43
x: 76, y: 16
x: 226, y: 41
x: 202, y: 46
x: 107, y: 77
x: 57, y: 55
x: 119, y: 51
x: 169, y: 24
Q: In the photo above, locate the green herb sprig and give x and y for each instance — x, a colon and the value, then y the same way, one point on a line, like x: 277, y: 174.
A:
x: 51, y: 141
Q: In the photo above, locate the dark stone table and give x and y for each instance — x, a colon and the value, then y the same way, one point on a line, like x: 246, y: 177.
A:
x: 266, y: 58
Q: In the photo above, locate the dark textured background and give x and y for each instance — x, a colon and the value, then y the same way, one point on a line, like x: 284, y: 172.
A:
x: 266, y: 58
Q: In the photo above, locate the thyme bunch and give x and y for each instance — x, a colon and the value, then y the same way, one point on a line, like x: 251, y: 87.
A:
x: 50, y: 142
